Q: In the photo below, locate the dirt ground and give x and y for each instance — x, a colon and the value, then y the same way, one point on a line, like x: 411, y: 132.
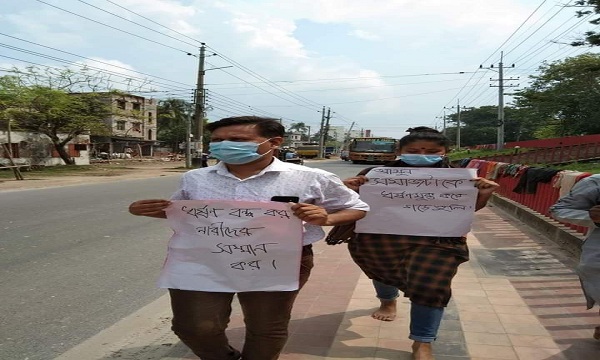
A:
x: 116, y: 170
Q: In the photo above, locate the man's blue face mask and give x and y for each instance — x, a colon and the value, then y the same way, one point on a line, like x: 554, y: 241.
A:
x: 236, y: 152
x: 420, y: 159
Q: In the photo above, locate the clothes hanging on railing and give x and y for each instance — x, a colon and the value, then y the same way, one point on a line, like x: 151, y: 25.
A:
x: 565, y: 180
x: 531, y: 177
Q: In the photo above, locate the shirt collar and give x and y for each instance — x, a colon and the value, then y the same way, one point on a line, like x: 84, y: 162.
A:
x: 275, y: 166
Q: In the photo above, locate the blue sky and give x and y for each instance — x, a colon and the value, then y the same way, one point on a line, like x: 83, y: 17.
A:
x: 384, y: 65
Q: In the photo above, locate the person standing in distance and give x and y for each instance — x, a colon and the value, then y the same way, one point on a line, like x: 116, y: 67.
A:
x: 422, y: 267
x: 248, y: 171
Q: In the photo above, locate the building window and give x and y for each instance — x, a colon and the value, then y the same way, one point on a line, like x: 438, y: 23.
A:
x: 137, y: 106
x: 121, y: 104
x: 120, y: 125
x: 150, y: 117
x: 150, y: 134
x: 136, y: 126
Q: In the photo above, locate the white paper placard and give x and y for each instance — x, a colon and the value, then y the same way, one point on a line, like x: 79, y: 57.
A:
x: 419, y: 201
x: 232, y: 246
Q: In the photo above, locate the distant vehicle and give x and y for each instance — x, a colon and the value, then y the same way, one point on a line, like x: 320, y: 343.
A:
x: 328, y: 151
x: 372, y: 150
x: 345, y: 155
x: 290, y: 155
x: 308, y: 150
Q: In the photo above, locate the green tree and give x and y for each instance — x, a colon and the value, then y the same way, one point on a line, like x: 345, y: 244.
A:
x: 172, y: 121
x: 590, y: 7
x: 300, y: 127
x: 480, y: 125
x: 60, y: 103
x: 58, y: 115
x: 564, y: 99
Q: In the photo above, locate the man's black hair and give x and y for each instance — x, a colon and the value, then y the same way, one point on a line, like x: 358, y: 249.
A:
x: 424, y: 133
x: 267, y: 127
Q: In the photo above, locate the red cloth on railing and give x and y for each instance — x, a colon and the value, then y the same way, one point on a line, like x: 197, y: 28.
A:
x: 540, y: 201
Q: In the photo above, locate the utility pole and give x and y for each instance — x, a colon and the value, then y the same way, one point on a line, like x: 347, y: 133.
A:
x: 443, y: 117
x: 347, y: 137
x: 444, y: 123
x: 199, y: 103
x: 321, y: 133
x: 457, y: 122
x: 327, y: 123
x: 188, y: 145
x: 326, y: 132
x: 500, y: 86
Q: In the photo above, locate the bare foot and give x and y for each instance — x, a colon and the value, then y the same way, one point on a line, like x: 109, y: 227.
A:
x: 386, y: 311
x: 422, y: 351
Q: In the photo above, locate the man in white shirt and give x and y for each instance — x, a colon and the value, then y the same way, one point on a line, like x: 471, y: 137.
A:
x: 248, y: 171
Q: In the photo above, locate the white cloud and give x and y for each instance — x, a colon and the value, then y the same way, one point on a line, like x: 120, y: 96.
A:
x: 170, y: 13
x: 405, y: 37
x: 273, y: 34
x: 364, y: 35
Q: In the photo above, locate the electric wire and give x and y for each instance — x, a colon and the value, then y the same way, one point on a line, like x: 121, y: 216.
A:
x: 265, y: 80
x: 539, y: 28
x: 95, y: 60
x: 136, y: 23
x: 350, y: 88
x: 532, y: 51
x: 84, y: 66
x: 514, y: 32
x: 360, y: 78
x: 115, y: 28
x: 153, y: 21
x: 212, y: 93
x: 395, y: 97
x: 53, y: 67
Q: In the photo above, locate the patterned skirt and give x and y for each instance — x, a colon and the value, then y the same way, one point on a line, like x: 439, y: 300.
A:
x: 421, y: 267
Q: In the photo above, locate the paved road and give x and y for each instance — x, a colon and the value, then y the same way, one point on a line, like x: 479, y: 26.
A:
x: 73, y: 261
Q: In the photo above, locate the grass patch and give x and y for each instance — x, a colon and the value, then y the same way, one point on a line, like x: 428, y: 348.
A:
x: 457, y: 155
x: 64, y: 170
x: 591, y: 167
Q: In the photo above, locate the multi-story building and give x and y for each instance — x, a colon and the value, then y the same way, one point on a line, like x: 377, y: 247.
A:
x: 337, y: 132
x: 132, y: 127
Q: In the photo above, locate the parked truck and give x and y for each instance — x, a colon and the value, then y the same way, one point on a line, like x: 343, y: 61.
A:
x: 308, y: 150
x: 372, y: 150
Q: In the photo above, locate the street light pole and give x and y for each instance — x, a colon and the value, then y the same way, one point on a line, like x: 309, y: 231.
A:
x: 188, y: 145
x: 199, y: 102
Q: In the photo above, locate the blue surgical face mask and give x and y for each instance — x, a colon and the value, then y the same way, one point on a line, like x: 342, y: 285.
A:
x: 420, y: 159
x: 236, y: 152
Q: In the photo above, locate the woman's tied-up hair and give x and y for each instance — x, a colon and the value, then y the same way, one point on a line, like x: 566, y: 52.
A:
x: 424, y: 133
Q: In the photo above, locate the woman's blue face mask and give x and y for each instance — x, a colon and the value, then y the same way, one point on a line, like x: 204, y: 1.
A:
x: 236, y: 152
x: 421, y: 159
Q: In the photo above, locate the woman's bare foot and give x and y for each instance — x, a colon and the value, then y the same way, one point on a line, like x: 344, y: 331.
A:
x: 422, y: 351
x: 386, y: 311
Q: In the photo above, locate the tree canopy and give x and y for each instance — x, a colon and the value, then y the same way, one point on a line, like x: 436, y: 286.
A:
x: 56, y: 113
x: 172, y: 121
x: 590, y: 7
x: 480, y: 125
x: 564, y: 99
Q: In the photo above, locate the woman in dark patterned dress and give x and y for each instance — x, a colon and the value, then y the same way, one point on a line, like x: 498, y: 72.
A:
x: 422, y: 267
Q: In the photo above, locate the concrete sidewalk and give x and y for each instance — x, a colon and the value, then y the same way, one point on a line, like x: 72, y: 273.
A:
x: 518, y: 298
